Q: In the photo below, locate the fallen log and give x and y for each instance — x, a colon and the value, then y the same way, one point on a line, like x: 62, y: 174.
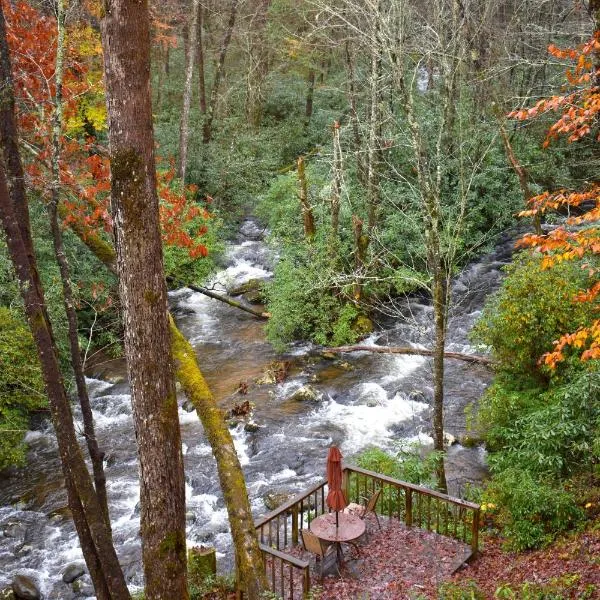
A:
x: 220, y: 297
x: 470, y: 358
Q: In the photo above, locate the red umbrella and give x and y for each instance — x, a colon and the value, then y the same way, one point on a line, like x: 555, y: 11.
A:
x: 335, y: 498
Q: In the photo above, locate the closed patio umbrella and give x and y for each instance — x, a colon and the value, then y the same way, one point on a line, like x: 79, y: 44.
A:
x: 335, y: 497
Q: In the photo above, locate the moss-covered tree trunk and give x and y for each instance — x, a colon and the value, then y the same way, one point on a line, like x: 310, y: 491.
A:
x: 248, y: 557
x: 307, y: 212
x: 143, y: 293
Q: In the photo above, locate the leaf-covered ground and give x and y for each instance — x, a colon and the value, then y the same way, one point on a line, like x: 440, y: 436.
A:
x: 395, y: 563
x: 398, y: 563
x: 571, y: 566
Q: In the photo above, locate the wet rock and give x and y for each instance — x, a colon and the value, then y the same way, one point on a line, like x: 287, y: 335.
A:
x: 252, y: 290
x: 449, y: 439
x: 275, y: 499
x: 7, y: 594
x: 250, y: 230
x: 344, y: 365
x: 251, y: 427
x: 190, y: 517
x: 110, y: 459
x: 306, y: 393
x: 276, y: 372
x: 15, y: 530
x: 25, y: 588
x: 114, y: 379
x: 83, y: 587
x: 73, y: 571
x: 329, y: 355
x: 362, y: 325
x: 188, y: 406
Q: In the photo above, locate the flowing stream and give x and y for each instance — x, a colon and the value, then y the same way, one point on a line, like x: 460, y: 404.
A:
x: 363, y: 399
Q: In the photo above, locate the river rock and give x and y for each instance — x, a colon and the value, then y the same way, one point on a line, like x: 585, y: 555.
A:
x: 250, y: 230
x: 15, y: 530
x: 7, y: 594
x: 275, y: 499
x: 25, y: 588
x: 188, y: 406
x: 306, y: 393
x: 73, y: 571
x: 251, y: 427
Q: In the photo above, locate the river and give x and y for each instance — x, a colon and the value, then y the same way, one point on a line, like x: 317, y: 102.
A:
x: 364, y: 399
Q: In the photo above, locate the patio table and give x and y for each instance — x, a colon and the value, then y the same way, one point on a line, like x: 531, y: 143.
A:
x: 349, y: 529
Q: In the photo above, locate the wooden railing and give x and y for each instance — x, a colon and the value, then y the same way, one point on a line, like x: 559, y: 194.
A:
x: 288, y: 576
x: 414, y: 505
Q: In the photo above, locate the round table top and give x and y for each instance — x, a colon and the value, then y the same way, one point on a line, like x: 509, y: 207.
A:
x: 349, y: 527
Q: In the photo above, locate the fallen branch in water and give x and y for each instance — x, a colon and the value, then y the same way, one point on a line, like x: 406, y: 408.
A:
x: 470, y: 358
x: 220, y: 297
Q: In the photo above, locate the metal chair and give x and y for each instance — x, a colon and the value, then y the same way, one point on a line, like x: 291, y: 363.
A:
x: 316, y: 546
x: 369, y: 507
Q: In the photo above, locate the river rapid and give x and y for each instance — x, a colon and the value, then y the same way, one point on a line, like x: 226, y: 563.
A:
x: 363, y: 399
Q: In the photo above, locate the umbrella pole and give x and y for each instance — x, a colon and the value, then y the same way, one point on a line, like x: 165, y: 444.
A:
x: 336, y: 519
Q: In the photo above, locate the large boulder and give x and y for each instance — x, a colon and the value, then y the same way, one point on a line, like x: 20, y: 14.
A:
x: 306, y: 393
x: 25, y: 588
x: 73, y: 571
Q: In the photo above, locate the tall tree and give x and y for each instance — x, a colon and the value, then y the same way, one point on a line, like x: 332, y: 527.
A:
x: 207, y: 128
x: 96, y: 455
x: 142, y: 288
x: 89, y: 518
x: 184, y: 128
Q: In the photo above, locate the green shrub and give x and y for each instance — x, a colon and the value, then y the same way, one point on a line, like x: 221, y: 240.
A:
x: 464, y: 590
x: 21, y: 386
x: 532, y: 309
x: 531, y: 512
x: 559, y: 588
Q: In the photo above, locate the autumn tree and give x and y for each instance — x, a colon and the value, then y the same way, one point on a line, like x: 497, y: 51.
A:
x: 578, y: 238
x: 89, y: 517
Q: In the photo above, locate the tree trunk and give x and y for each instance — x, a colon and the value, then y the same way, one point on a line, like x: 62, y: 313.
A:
x: 88, y: 516
x: 248, y: 557
x: 231, y: 477
x: 96, y: 455
x: 143, y: 294
x: 207, y: 129
x: 310, y: 93
x: 307, y: 213
x: 336, y: 187
x: 361, y: 244
x: 184, y: 128
x: 360, y: 168
x: 200, y: 61
x: 257, y: 64
x: 469, y: 358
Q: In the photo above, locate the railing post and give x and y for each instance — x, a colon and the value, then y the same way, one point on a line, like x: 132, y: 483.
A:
x: 306, y: 583
x: 409, y: 516
x: 295, y: 525
x: 475, y: 533
x: 346, y: 483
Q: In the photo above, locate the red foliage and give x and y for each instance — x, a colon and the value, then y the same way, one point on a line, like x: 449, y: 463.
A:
x: 580, y: 110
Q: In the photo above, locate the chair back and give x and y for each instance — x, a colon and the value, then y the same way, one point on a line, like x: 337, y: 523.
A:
x: 372, y: 502
x: 311, y: 542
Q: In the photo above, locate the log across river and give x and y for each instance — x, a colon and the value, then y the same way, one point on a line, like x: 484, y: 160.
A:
x: 358, y: 399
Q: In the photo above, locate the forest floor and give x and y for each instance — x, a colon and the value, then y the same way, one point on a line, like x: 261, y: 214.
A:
x: 399, y: 563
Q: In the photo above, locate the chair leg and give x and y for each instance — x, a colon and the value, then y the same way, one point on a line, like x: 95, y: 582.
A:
x: 377, y: 519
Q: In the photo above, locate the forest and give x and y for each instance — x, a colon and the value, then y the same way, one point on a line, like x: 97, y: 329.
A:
x: 233, y: 225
